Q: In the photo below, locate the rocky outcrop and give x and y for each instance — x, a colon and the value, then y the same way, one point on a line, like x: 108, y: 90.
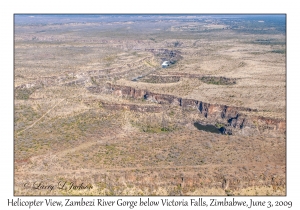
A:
x: 231, y: 116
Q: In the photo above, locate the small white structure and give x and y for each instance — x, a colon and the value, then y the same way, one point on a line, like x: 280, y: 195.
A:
x: 165, y: 64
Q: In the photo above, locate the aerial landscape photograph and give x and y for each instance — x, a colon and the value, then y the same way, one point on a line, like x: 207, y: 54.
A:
x: 149, y: 105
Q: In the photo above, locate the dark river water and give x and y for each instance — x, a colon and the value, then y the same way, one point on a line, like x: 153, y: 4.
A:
x: 208, y: 128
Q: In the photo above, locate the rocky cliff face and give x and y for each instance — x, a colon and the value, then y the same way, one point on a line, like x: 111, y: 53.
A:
x: 232, y: 117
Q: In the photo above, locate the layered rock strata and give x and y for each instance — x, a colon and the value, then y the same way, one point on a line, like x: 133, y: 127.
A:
x: 233, y: 118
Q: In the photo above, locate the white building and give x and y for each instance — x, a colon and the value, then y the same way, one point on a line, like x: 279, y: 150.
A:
x: 165, y: 64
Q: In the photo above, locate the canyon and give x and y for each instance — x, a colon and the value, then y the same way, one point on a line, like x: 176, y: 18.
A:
x: 93, y: 105
x: 232, y: 117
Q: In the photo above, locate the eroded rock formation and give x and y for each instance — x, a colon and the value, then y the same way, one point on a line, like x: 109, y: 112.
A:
x: 232, y: 117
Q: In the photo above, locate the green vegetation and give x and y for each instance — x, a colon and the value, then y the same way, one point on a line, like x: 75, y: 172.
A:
x: 279, y: 51
x: 218, y: 80
x: 152, y: 39
x: 94, y: 82
x: 161, y: 79
x: 152, y: 129
x: 219, y: 125
x: 24, y: 93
